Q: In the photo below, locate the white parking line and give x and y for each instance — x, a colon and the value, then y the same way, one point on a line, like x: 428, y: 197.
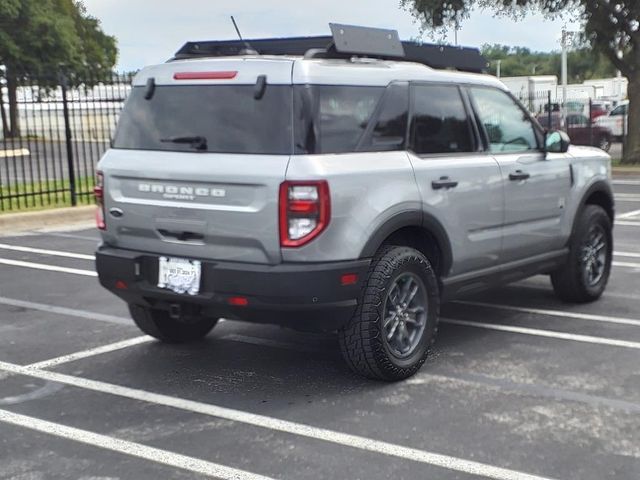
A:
x: 51, y: 268
x: 628, y: 214
x: 72, y: 312
x: 627, y: 224
x: 56, y: 253
x: 294, y: 428
x: 131, y: 449
x: 627, y: 254
x: 626, y: 264
x: 90, y: 352
x: 555, y: 313
x: 612, y: 342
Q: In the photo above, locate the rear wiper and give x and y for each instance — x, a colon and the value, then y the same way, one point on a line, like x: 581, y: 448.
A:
x: 198, y: 142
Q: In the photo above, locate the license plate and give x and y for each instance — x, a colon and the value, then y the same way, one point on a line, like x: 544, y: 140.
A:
x: 179, y: 275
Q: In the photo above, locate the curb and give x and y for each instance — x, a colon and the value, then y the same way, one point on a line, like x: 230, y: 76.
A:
x: 12, y: 223
x: 626, y: 170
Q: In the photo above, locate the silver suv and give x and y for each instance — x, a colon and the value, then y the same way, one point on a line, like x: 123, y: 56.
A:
x: 339, y: 190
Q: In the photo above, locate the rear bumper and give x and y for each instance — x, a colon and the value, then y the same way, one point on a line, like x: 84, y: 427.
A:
x: 306, y: 296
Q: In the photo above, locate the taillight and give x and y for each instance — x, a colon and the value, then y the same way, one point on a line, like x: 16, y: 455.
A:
x: 98, y: 192
x: 305, y: 209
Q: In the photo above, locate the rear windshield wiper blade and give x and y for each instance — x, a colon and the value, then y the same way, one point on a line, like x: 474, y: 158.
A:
x: 198, y: 142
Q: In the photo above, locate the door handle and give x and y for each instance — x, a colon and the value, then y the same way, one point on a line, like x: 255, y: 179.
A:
x: 518, y: 175
x: 444, y: 182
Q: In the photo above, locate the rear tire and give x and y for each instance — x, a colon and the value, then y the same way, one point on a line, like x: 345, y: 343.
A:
x: 160, y: 325
x: 390, y: 334
x: 585, y: 275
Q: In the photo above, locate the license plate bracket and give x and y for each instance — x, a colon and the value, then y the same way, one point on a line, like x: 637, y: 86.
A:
x: 179, y: 275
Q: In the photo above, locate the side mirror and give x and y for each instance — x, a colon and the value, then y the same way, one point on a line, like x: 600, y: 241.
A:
x: 556, y: 141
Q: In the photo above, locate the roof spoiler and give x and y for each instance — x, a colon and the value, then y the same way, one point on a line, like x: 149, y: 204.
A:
x: 346, y: 41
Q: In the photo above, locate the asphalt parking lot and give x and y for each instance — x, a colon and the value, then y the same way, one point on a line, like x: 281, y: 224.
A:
x: 519, y: 385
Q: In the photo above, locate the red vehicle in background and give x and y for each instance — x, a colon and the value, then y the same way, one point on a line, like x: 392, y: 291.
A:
x: 580, y: 130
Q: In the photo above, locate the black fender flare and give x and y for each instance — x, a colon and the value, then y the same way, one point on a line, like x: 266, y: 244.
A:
x: 412, y: 218
x: 599, y: 186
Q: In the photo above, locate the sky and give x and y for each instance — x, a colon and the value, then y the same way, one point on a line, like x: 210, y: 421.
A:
x: 151, y: 31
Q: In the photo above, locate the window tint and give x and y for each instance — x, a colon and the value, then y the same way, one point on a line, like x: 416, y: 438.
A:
x: 507, y: 125
x: 227, y: 118
x: 332, y: 119
x: 390, y: 127
x: 439, y: 123
x: 343, y: 116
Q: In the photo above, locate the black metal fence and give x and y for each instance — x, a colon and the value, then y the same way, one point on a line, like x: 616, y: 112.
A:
x: 579, y: 118
x: 52, y: 136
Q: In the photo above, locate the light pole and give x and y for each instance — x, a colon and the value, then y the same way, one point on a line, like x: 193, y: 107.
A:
x: 566, y: 42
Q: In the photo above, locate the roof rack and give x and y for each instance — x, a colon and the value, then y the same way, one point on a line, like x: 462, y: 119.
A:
x: 347, y: 41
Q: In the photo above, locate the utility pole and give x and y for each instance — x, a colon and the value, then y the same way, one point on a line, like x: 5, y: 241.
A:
x: 498, y: 69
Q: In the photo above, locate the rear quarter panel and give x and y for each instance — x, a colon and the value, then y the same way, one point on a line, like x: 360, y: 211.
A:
x: 367, y: 189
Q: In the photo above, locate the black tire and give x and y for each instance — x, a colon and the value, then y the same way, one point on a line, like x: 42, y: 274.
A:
x: 572, y: 282
x: 160, y: 325
x: 604, y: 143
x: 363, y: 341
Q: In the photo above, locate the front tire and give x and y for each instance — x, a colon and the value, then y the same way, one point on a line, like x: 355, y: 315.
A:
x: 396, y: 321
x: 585, y: 275
x: 160, y: 325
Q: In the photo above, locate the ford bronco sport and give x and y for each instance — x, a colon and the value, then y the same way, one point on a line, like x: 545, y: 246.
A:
x: 345, y: 189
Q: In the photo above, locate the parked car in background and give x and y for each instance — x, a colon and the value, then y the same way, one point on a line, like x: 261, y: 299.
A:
x: 579, y: 130
x: 616, y: 121
x: 600, y: 108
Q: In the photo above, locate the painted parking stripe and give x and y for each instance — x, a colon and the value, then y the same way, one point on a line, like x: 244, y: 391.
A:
x: 627, y: 254
x: 548, y: 289
x: 16, y: 152
x: 72, y: 312
x: 628, y: 214
x: 626, y: 264
x: 42, y: 251
x: 555, y: 313
x: 131, y: 449
x: 91, y: 352
x: 50, y: 268
x: 611, y: 342
x: 627, y: 224
x: 285, y: 426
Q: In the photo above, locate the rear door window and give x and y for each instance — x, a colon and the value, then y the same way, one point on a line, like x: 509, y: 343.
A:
x: 389, y: 126
x: 332, y: 118
x: 224, y: 119
x: 439, y: 122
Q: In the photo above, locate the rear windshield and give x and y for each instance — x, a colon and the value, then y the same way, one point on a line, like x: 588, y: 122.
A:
x: 221, y: 119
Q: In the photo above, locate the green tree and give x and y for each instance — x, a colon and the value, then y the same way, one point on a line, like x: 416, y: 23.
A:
x: 40, y: 39
x: 611, y: 27
x: 584, y: 62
